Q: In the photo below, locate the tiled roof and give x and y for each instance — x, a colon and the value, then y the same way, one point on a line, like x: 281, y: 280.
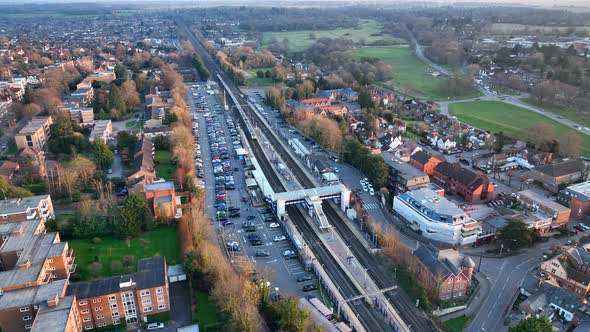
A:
x: 561, y: 169
x: 421, y: 157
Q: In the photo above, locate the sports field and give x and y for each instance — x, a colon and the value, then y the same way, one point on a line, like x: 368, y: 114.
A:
x: 366, y: 33
x: 512, y: 120
x: 410, y: 75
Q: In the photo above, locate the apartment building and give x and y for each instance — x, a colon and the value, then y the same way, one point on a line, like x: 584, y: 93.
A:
x: 425, y: 162
x: 35, y: 133
x: 39, y: 308
x: 26, y: 208
x: 103, y: 130
x: 577, y: 197
x: 402, y: 176
x: 129, y: 297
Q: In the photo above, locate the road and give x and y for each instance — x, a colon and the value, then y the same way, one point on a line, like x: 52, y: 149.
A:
x: 492, y: 96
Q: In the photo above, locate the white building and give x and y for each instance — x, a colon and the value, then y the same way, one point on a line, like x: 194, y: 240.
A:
x: 436, y: 217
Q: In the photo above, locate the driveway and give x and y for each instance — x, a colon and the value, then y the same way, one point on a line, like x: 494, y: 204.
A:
x: 180, y: 306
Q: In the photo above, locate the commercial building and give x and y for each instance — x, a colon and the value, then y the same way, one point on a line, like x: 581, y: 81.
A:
x: 26, y: 208
x: 436, y: 217
x: 130, y: 297
x: 577, y: 197
x: 557, y: 214
x: 35, y: 133
x: 562, y: 173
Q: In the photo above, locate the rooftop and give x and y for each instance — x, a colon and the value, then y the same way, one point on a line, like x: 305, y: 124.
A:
x: 157, y: 186
x: 426, y: 197
x: 582, y: 189
x: 561, y: 168
x: 21, y: 205
x: 406, y: 170
x: 542, y: 200
x: 34, y: 124
x: 32, y: 295
x: 53, y: 318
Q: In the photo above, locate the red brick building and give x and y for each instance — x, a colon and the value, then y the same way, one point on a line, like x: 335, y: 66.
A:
x: 425, y: 162
x: 577, y: 197
x: 463, y: 182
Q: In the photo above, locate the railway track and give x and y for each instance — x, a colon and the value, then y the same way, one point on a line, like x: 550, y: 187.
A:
x: 371, y: 319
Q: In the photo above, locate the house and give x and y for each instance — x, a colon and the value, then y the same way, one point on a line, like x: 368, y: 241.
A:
x: 435, y: 217
x: 462, y: 181
x: 316, y: 102
x: 132, y: 297
x: 162, y: 199
x: 402, y: 176
x: 577, y: 198
x: 35, y: 133
x: 103, y: 130
x: 561, y: 173
x: 144, y: 171
x: 31, y: 161
x: 8, y: 170
x: 425, y: 162
x: 550, y: 301
x: 570, y: 270
x: 449, y: 270
x: 556, y: 213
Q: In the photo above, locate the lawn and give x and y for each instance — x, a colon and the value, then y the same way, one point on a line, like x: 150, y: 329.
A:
x: 165, y: 166
x: 256, y: 81
x: 512, y: 120
x: 581, y: 118
x: 456, y: 324
x: 208, y: 314
x: 134, y: 124
x: 409, y: 73
x: 162, y: 241
x: 367, y: 32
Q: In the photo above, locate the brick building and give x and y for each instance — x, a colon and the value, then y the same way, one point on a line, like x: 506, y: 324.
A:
x: 577, y: 197
x: 130, y: 297
x: 161, y: 198
x: 463, y: 182
x: 570, y: 270
x: 557, y: 213
x: 26, y: 208
x: 402, y: 176
x: 425, y: 162
x: 562, y: 173
x: 449, y: 270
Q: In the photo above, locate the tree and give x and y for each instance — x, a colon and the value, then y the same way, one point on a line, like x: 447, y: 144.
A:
x: 570, y: 144
x: 116, y: 100
x: 121, y: 72
x: 364, y: 99
x: 541, y: 135
x: 102, y: 154
x: 134, y: 216
x: 517, y: 234
x: 533, y: 324
x: 291, y: 318
x: 84, y: 168
x: 500, y: 141
x: 130, y: 95
x: 9, y: 191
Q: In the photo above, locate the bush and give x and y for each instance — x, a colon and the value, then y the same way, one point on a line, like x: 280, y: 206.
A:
x: 159, y: 317
x: 96, y: 240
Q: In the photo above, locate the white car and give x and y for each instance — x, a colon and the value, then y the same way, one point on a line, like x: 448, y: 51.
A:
x: 365, y: 187
x: 155, y: 326
x: 584, y: 226
x: 371, y: 191
x: 274, y: 225
x: 279, y: 238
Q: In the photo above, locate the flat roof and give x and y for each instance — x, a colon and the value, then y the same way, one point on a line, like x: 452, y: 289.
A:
x: 433, y: 201
x: 581, y: 188
x: 54, y: 318
x: 32, y: 295
x: 302, y: 193
x: 408, y: 171
x: 21, y: 205
x: 34, y: 124
x: 157, y: 186
x: 543, y: 200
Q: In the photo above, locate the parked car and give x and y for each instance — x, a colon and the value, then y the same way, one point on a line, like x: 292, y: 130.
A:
x: 155, y: 326
x: 262, y: 253
x: 309, y: 288
x: 279, y: 238
x: 303, y: 277
x: 289, y: 254
x: 250, y: 218
x: 257, y: 242
x: 274, y: 225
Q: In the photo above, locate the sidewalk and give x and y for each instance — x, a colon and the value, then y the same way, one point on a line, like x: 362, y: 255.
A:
x: 476, y: 300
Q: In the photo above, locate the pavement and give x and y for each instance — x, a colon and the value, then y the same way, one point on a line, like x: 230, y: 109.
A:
x: 281, y: 272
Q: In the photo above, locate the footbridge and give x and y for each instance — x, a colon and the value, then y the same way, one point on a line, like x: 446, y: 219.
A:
x: 312, y: 199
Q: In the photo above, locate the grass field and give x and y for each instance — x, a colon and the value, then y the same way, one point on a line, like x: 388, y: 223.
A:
x: 366, y: 32
x: 207, y: 314
x: 581, y: 118
x: 165, y: 167
x: 162, y: 241
x: 256, y: 81
x: 512, y: 120
x: 509, y: 28
x: 409, y: 73
x: 456, y: 324
x: 134, y: 124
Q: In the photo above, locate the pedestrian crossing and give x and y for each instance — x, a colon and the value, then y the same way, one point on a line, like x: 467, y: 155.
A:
x: 371, y: 206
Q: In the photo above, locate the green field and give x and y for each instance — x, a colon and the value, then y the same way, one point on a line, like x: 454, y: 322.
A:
x: 456, y: 324
x: 255, y: 81
x: 134, y: 124
x: 512, y: 120
x: 366, y: 33
x: 165, y: 167
x: 509, y: 28
x: 409, y: 73
x: 581, y: 118
x: 162, y: 241
x: 207, y: 314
